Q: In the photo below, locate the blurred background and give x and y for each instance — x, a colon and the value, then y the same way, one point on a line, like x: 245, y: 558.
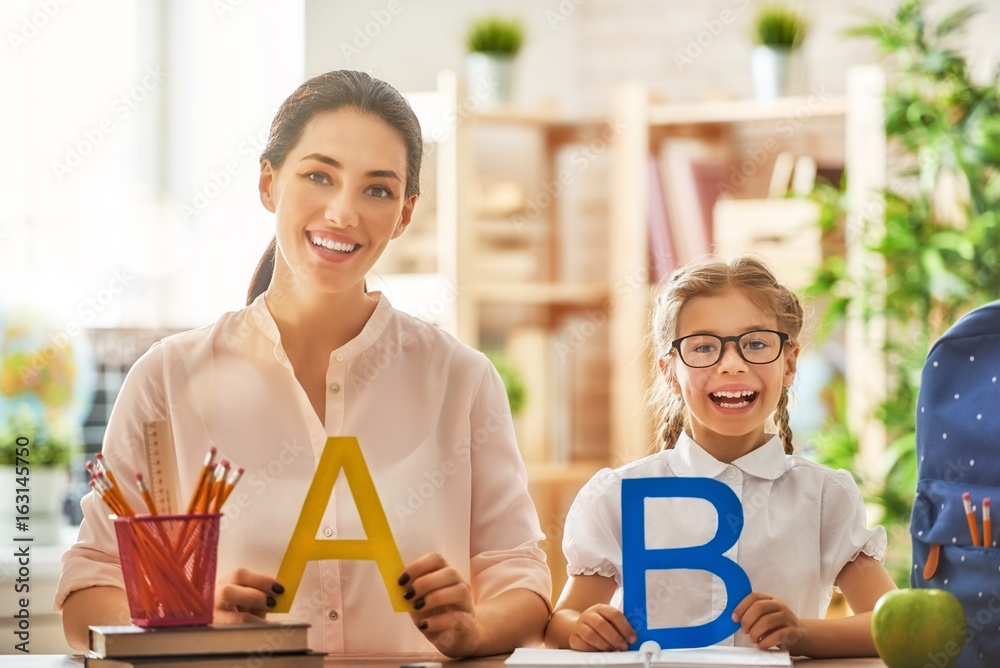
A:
x: 614, y: 140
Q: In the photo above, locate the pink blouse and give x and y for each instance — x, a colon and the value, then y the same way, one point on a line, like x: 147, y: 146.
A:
x: 433, y: 423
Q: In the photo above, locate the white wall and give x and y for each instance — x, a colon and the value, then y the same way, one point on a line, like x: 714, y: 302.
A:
x: 407, y: 42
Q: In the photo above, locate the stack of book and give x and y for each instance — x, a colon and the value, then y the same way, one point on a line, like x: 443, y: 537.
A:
x: 233, y: 646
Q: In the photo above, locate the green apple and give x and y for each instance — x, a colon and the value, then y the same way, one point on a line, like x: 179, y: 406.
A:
x: 913, y: 628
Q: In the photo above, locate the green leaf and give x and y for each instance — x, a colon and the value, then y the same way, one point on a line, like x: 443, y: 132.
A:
x: 779, y: 26
x: 954, y: 241
x: 956, y: 20
x: 495, y: 34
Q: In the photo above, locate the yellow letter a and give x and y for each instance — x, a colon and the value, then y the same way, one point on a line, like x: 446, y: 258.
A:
x: 341, y: 452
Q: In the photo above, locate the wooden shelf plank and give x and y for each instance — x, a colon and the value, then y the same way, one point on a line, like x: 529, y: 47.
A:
x: 742, y: 111
x: 540, y: 118
x: 569, y: 294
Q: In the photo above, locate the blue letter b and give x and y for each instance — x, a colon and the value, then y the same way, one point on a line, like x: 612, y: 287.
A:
x: 708, y: 557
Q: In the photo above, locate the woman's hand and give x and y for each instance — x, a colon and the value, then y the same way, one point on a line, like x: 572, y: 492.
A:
x: 442, y: 603
x: 601, y: 628
x: 244, y: 596
x: 770, y: 622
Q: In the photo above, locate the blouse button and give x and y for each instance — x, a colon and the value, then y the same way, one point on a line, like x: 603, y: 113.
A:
x: 730, y: 473
x: 335, y: 388
x: 334, y: 615
x: 340, y: 357
x: 328, y: 532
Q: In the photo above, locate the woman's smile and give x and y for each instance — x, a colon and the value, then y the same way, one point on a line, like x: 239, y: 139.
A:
x: 332, y: 247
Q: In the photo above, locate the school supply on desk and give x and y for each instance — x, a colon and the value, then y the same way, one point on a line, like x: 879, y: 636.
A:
x: 251, y: 638
x: 168, y: 564
x: 168, y: 561
x: 958, y: 469
x: 705, y: 657
x: 158, y: 446
x: 305, y: 660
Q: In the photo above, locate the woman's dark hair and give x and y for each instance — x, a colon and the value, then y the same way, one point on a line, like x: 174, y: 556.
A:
x: 329, y: 92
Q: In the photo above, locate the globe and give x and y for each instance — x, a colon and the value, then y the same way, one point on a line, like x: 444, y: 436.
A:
x: 47, y: 367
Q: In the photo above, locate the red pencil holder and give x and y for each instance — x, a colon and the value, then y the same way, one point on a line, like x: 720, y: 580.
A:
x: 168, y: 562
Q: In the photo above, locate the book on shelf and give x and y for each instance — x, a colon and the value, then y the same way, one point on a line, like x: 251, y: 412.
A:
x: 663, y: 258
x: 253, y: 639
x: 692, y: 173
x: 704, y: 657
x: 300, y: 660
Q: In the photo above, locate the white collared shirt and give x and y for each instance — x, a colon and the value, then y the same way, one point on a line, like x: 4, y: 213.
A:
x: 432, y: 420
x: 803, y: 522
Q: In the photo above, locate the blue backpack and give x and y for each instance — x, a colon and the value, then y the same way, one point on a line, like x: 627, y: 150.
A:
x: 958, y: 431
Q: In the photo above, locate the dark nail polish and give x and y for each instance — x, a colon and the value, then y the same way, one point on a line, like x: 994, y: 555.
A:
x: 422, y: 625
x: 271, y: 602
x: 277, y: 588
x: 403, y: 579
x: 409, y: 593
x: 419, y: 603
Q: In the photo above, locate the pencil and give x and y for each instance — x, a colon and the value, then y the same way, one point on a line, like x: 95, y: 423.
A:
x: 110, y: 503
x: 203, y: 479
x: 110, y: 489
x: 234, y: 477
x: 104, y: 467
x: 146, y: 496
x: 969, y: 515
x: 215, y: 490
x: 987, y: 525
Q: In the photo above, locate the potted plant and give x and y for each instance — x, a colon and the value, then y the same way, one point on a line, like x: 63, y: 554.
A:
x: 49, y: 450
x: 778, y: 32
x: 938, y: 234
x: 511, y: 378
x: 492, y: 42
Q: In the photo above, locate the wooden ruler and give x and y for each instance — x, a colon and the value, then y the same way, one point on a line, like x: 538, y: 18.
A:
x: 160, y: 465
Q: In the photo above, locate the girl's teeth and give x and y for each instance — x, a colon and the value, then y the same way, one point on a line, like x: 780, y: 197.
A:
x: 725, y: 398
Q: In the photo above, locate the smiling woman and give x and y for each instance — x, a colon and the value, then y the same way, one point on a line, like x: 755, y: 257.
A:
x: 314, y: 355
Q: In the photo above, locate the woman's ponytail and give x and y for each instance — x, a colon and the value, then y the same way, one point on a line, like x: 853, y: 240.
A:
x: 262, y: 276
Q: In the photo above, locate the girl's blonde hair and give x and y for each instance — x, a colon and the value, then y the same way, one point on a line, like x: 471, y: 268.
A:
x: 706, y: 278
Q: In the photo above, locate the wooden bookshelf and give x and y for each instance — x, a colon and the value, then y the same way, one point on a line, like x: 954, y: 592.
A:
x: 843, y: 131
x: 528, y: 283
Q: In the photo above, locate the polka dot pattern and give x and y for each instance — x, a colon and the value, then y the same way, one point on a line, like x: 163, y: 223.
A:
x: 957, y: 418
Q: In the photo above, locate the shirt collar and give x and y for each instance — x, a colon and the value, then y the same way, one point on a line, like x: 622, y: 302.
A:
x: 372, y: 330
x: 767, y: 461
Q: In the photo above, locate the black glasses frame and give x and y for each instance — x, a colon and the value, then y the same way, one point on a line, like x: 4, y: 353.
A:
x: 723, y: 340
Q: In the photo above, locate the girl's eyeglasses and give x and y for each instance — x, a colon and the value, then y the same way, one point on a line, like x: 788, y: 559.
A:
x: 758, y: 346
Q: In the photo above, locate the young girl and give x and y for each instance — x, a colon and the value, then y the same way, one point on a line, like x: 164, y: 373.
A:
x: 315, y: 355
x: 726, y: 342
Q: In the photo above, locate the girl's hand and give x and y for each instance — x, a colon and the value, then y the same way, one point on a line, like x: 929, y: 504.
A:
x: 601, y: 628
x: 244, y: 596
x: 442, y: 603
x: 769, y: 622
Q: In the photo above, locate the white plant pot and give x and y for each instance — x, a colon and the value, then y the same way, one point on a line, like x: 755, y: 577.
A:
x: 47, y: 489
x: 487, y: 79
x: 776, y: 73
